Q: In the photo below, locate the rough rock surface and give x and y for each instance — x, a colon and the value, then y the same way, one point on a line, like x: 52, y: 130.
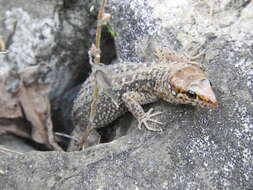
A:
x: 12, y: 142
x: 198, y: 149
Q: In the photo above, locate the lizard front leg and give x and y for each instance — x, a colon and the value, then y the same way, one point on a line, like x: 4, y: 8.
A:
x: 133, y: 101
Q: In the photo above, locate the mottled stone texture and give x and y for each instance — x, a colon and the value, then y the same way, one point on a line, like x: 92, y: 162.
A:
x: 45, y: 43
x: 50, y: 34
x: 198, y: 149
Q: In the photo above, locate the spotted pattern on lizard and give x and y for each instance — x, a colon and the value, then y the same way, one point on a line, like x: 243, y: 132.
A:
x: 136, y: 84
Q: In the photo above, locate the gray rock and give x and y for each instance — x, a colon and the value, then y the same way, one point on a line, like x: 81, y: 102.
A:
x: 198, y: 149
x: 51, y: 38
x: 13, y: 143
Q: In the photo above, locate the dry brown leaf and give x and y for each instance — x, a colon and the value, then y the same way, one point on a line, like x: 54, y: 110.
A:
x: 35, y: 103
x: 9, y: 107
x: 30, y: 102
x: 16, y: 126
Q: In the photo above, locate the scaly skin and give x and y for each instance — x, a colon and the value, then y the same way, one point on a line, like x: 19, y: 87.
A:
x: 136, y: 84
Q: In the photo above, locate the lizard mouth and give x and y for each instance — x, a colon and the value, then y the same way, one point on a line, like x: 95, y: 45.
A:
x: 209, y: 104
x: 214, y: 105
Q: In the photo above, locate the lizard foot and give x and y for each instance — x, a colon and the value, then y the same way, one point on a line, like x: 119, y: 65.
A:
x: 147, y: 117
x: 164, y: 55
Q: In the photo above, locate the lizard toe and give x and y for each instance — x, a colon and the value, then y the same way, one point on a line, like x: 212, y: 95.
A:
x: 147, y: 117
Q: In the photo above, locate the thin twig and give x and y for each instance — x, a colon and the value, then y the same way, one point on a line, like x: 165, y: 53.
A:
x: 66, y: 136
x: 9, y: 150
x: 84, y: 139
x: 2, y: 172
x: 2, y: 46
x: 99, y: 28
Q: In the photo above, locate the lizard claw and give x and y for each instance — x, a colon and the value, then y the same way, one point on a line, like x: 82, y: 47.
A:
x: 147, y: 117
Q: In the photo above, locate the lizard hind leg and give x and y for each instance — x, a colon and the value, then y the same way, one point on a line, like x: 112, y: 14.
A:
x: 165, y: 54
x: 133, y: 101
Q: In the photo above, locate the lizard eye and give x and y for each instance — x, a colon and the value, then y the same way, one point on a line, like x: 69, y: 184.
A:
x: 191, y: 94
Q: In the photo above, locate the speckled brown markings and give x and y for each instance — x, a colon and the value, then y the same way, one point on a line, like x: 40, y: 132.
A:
x: 136, y: 84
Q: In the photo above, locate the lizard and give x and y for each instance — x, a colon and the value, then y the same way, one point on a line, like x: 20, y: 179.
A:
x: 177, y: 81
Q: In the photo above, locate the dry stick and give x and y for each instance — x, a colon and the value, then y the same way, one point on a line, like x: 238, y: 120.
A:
x: 2, y: 46
x: 2, y: 172
x: 9, y: 150
x: 84, y: 139
x: 99, y: 28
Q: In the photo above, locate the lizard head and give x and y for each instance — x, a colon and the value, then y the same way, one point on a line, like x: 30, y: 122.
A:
x: 190, y: 85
